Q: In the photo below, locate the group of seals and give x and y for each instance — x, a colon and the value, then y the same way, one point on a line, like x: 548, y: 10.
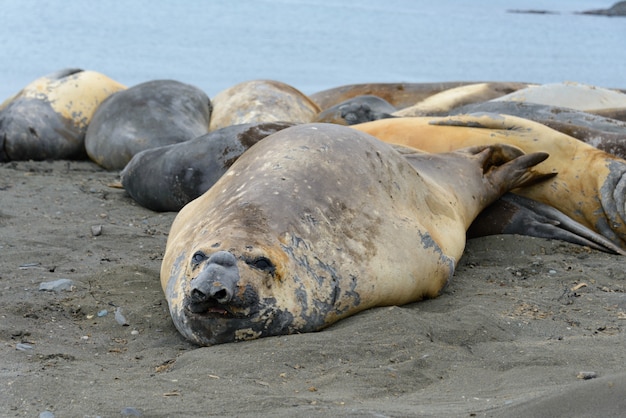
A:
x: 317, y: 222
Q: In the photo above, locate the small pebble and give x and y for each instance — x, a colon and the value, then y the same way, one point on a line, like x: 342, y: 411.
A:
x: 102, y: 313
x: 134, y: 332
x: 96, y: 230
x: 120, y: 318
x: 23, y: 347
x: 57, y: 285
x: 587, y: 375
x: 552, y: 272
x: 46, y: 414
x: 29, y: 265
x: 131, y: 411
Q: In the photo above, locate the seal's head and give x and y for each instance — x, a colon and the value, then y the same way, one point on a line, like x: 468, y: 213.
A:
x: 228, y: 291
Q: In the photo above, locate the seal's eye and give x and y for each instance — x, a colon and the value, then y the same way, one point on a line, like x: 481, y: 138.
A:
x: 198, y: 258
x: 263, y: 263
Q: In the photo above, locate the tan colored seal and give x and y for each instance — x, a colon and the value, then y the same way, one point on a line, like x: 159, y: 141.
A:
x: 261, y: 101
x: 590, y: 186
x: 442, y: 103
x: 319, y: 221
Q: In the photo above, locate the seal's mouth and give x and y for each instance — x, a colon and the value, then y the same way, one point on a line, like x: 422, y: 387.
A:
x: 213, y: 309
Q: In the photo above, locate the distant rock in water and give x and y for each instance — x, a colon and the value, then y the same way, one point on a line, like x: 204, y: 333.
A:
x: 532, y: 11
x: 618, y: 9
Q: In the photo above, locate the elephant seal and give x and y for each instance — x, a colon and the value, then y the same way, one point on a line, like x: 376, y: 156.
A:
x: 606, y: 134
x: 359, y: 109
x: 319, y: 221
x: 148, y: 115
x: 572, y: 95
x: 442, y: 103
x: 48, y: 118
x: 400, y: 95
x: 261, y: 101
x: 167, y: 178
x: 590, y: 186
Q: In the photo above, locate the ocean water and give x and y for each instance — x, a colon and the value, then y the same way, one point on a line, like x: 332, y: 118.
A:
x: 311, y: 44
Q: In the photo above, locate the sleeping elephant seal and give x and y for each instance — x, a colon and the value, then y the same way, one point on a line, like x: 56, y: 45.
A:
x: 261, y: 101
x: 442, y: 103
x: 148, y: 115
x: 590, y: 186
x: 359, y: 109
x: 318, y: 222
x: 48, y: 118
x: 169, y: 177
x: 572, y: 95
x: 606, y: 134
x: 400, y: 95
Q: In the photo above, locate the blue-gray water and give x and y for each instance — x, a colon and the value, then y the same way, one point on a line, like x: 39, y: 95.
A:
x: 311, y: 44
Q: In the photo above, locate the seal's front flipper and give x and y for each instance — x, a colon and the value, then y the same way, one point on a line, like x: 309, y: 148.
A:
x: 514, y: 214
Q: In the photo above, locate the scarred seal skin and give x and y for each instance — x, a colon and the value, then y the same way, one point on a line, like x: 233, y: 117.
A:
x: 261, y: 101
x: 590, y: 186
x: 148, y: 115
x: 48, y: 118
x: 318, y: 222
x: 167, y: 178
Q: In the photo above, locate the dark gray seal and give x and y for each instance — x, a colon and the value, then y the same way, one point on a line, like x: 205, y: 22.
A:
x: 169, y: 177
x: 359, y: 109
x: 148, y: 115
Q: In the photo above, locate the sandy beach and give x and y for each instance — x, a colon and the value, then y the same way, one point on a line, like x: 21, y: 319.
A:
x: 528, y: 327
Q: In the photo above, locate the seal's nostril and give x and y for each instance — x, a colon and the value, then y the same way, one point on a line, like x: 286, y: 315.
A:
x: 221, y: 295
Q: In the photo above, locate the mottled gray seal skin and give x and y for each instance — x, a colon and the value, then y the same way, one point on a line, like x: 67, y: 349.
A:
x: 167, y: 178
x: 359, y: 109
x: 606, y: 134
x: 318, y: 222
x: 148, y: 115
x: 48, y: 118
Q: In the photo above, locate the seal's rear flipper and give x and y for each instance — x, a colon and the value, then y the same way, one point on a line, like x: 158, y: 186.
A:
x: 514, y: 214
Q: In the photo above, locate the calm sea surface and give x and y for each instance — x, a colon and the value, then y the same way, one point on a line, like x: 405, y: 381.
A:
x: 312, y: 45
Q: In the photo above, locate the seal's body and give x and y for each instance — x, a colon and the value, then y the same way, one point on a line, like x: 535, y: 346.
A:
x: 590, y: 186
x: 318, y: 222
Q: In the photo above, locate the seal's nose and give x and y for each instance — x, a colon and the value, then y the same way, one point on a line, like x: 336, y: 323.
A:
x: 217, y: 281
